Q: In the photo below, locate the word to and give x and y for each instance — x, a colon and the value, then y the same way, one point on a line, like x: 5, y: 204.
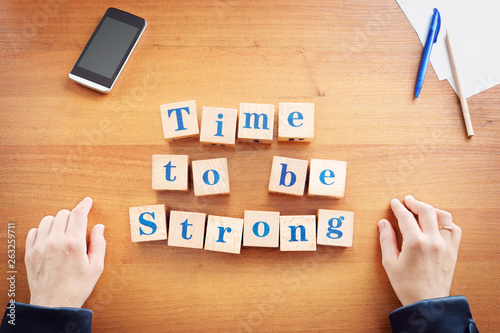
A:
x: 257, y: 228
x: 256, y: 123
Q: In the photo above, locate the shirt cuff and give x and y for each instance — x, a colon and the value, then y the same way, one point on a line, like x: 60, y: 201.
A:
x: 21, y: 317
x: 448, y: 314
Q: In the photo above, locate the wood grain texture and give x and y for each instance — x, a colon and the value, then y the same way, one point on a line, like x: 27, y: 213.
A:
x: 357, y: 61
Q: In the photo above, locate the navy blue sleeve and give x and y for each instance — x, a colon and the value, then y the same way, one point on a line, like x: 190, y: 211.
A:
x: 27, y: 318
x: 442, y: 315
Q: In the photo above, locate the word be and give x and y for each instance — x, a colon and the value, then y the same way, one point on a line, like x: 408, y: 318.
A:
x: 256, y: 229
x: 256, y: 123
x: 288, y: 176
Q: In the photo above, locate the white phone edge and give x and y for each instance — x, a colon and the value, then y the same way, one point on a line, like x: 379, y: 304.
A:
x: 94, y: 86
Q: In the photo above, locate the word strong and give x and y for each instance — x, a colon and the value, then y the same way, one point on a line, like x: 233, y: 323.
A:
x: 256, y: 123
x: 210, y: 177
x: 258, y: 228
x: 180, y: 121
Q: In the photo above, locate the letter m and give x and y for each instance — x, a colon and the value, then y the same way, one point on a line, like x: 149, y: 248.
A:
x: 248, y: 117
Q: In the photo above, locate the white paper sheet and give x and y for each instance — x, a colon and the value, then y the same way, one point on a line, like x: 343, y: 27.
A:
x: 475, y: 31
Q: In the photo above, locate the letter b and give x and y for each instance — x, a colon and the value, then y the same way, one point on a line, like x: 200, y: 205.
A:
x: 284, y: 172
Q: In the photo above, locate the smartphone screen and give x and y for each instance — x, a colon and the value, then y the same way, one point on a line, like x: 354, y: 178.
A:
x: 108, y: 49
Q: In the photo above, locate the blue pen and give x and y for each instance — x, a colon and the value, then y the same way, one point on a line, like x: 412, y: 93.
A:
x: 431, y: 39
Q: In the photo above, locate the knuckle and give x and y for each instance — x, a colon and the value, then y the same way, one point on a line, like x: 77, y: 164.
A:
x: 435, y: 247
x: 406, y: 215
x: 415, y: 243
x: 72, y: 245
x: 386, y: 263
x: 99, y: 267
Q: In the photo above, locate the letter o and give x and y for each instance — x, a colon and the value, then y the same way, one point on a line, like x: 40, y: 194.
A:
x: 216, y: 177
x: 255, y: 229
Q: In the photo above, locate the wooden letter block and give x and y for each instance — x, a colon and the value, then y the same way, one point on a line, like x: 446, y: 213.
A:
x: 288, y: 175
x: 327, y: 178
x: 224, y: 234
x: 298, y: 233
x: 256, y: 123
x: 170, y: 172
x: 296, y: 122
x: 180, y: 121
x: 335, y: 227
x: 218, y: 126
x: 261, y: 229
x: 210, y: 177
x: 186, y: 229
x: 148, y: 223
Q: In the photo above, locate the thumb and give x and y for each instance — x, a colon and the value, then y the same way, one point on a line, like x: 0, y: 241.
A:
x: 97, y: 248
x: 388, y: 243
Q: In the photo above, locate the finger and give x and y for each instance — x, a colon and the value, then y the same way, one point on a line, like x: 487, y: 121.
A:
x: 406, y: 221
x: 456, y: 235
x: 30, y: 239
x: 97, y: 248
x: 388, y: 243
x: 77, y: 223
x: 427, y: 218
x: 60, y: 223
x: 445, y: 220
x: 44, y: 228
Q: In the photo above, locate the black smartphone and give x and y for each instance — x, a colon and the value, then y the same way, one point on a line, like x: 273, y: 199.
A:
x: 107, y: 50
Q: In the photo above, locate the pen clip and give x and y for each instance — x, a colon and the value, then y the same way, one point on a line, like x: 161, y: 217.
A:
x: 438, y: 25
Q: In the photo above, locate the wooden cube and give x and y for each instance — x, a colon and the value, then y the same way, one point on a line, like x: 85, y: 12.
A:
x: 180, y: 121
x: 335, y: 227
x: 261, y: 229
x: 170, y: 172
x: 298, y: 233
x: 210, y: 177
x: 256, y: 123
x: 296, y: 122
x: 148, y: 223
x: 186, y: 229
x: 224, y: 234
x: 218, y: 126
x: 288, y: 175
x: 327, y: 178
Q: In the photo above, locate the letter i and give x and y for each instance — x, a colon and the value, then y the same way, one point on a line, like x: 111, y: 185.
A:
x: 219, y: 125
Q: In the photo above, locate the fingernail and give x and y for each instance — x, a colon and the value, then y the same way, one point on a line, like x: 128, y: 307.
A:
x: 100, y: 227
x: 381, y: 225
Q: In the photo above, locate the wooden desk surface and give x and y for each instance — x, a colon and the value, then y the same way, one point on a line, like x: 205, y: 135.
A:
x: 356, y: 60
